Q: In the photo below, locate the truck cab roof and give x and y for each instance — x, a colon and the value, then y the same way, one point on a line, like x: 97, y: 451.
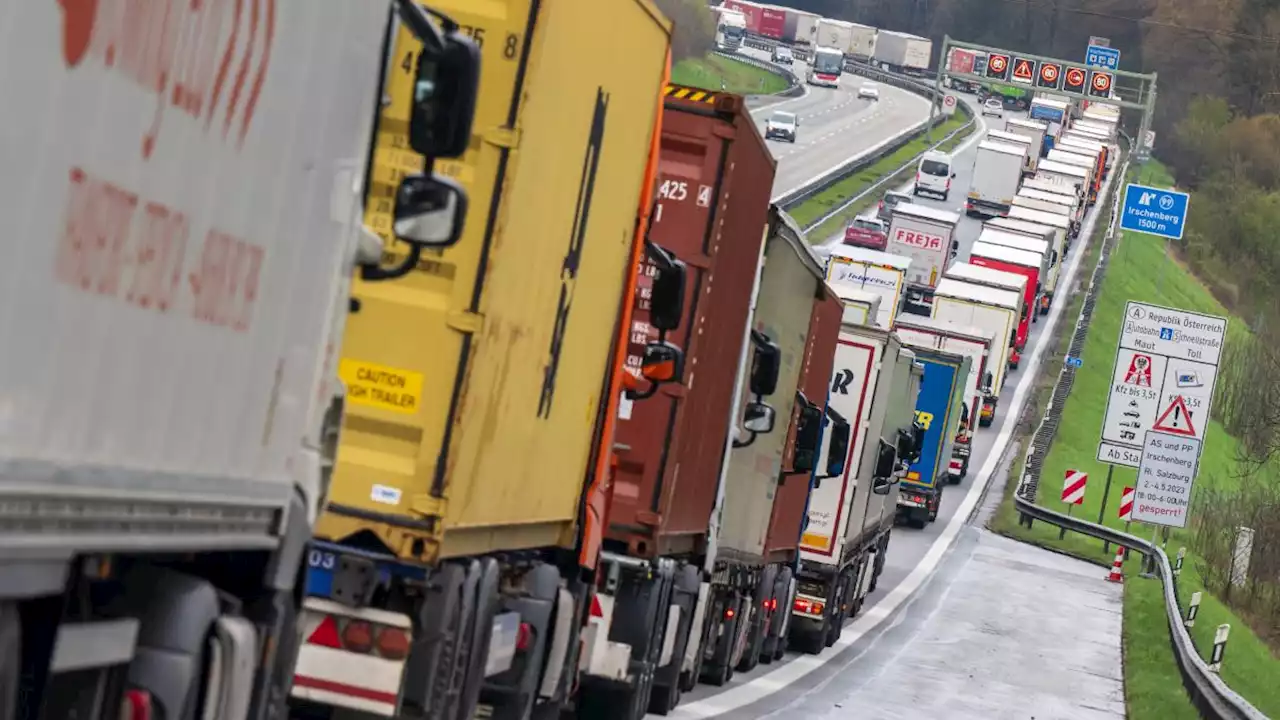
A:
x: 875, y: 257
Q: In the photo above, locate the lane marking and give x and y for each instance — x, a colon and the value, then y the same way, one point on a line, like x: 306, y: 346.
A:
x: 761, y: 687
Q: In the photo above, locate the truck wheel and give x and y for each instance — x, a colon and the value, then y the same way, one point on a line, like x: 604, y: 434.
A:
x: 937, y: 505
x: 473, y: 650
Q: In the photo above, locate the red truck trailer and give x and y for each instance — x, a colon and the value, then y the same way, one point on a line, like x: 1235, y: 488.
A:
x: 715, y: 175
x: 753, y: 12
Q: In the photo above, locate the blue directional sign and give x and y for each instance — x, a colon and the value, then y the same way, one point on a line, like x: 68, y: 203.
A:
x: 1155, y: 211
x: 1102, y: 57
x: 1074, y: 361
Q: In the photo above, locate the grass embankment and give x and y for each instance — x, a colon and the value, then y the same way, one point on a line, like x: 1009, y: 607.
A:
x: 1140, y: 270
x: 737, y: 77
x: 838, y: 194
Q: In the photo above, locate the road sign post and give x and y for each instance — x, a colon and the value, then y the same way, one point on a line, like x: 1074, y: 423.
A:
x: 1155, y: 211
x: 949, y: 104
x: 1165, y: 370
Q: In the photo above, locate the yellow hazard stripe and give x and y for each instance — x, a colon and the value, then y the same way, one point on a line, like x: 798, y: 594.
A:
x: 680, y: 92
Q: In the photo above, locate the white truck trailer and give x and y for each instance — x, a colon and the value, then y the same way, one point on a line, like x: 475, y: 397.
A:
x: 927, y: 236
x: 862, y: 42
x: 902, y: 52
x: 1035, y: 131
x: 872, y: 271
x: 836, y: 34
x: 1073, y: 176
x: 997, y: 172
x: 1054, y: 219
x: 1026, y: 142
x: 172, y: 394
x: 994, y: 311
x: 874, y: 385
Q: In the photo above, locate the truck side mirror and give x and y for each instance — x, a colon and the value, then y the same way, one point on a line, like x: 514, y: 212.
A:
x: 838, y: 449
x: 765, y: 365
x: 446, y: 84
x: 430, y: 211
x: 662, y: 363
x: 666, y: 299
x: 808, y: 432
x: 759, y: 418
x: 886, y: 465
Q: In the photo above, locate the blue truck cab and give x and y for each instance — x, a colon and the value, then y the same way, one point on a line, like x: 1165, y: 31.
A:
x: 939, y: 407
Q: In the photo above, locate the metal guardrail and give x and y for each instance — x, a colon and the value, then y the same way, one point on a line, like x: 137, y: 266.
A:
x: 794, y: 88
x: 1211, y: 696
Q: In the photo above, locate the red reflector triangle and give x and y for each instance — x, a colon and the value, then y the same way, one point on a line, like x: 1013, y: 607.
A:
x: 326, y: 634
x: 596, y: 610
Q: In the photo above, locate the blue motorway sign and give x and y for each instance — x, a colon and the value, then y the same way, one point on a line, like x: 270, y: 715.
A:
x: 1102, y: 57
x: 1155, y: 211
x: 1074, y: 361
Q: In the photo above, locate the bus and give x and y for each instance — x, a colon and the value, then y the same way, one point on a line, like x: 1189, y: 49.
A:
x: 826, y: 67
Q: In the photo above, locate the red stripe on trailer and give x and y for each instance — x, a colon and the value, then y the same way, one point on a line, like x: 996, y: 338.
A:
x: 1126, y: 504
x: 1073, y: 487
x: 344, y: 689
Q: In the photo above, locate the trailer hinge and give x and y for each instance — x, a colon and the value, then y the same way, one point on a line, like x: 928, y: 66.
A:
x: 503, y: 137
x: 428, y: 505
x: 465, y: 322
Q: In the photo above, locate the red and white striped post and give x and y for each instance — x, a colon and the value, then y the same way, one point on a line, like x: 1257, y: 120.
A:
x: 1073, y: 486
x: 1126, y: 510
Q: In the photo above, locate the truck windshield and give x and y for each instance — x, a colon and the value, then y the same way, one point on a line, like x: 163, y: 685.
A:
x: 828, y: 62
x: 733, y: 31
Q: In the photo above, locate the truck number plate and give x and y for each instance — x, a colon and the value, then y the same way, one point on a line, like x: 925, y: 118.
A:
x: 320, y: 565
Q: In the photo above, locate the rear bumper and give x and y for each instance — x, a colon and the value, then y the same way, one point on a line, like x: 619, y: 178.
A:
x: 986, y: 207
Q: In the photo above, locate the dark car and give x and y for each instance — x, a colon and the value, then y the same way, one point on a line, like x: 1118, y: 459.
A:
x: 889, y: 202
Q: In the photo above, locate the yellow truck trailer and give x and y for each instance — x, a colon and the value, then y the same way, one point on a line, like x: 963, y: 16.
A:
x: 481, y: 385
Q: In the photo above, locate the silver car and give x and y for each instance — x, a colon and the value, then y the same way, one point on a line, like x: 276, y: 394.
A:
x: 993, y: 106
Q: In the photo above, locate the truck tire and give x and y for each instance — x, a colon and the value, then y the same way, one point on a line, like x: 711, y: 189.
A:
x: 472, y: 652
x: 667, y: 680
x: 429, y: 670
x: 937, y: 505
x: 759, y: 619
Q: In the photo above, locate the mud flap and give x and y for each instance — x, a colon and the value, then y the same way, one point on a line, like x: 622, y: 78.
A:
x: 429, y: 669
x: 511, y: 693
x: 666, y: 679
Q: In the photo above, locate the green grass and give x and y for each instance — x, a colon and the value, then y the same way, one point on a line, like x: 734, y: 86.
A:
x: 836, y: 195
x: 737, y: 77
x: 1141, y: 270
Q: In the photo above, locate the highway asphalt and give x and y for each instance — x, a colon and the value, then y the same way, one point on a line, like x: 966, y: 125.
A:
x: 835, y: 125
x: 971, y: 585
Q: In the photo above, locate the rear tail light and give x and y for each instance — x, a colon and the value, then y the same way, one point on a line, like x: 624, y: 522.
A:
x: 393, y: 644
x: 136, y: 705
x: 729, y: 613
x: 357, y: 637
x: 362, y: 637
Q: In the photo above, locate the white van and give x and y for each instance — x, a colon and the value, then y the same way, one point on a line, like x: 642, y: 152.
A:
x: 934, y: 175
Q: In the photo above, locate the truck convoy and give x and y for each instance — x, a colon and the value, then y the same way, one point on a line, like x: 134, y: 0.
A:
x: 173, y: 381
x: 581, y: 482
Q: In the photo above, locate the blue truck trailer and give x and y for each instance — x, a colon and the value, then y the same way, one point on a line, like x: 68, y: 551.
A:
x: 939, y: 406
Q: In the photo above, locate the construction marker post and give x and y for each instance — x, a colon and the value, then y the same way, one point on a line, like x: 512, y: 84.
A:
x: 1177, y: 563
x: 1126, y: 511
x: 1219, y: 647
x: 1102, y: 509
x: 1193, y: 610
x: 1073, y: 486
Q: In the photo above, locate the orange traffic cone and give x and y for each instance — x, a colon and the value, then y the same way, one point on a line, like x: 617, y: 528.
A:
x: 1117, y: 567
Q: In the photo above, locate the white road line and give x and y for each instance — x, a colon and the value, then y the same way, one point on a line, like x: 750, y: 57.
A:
x: 761, y: 687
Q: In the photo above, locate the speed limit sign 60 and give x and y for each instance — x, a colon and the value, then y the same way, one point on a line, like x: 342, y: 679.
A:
x: 949, y: 105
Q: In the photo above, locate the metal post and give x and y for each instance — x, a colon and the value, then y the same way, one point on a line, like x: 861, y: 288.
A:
x: 937, y: 88
x: 1149, y: 563
x: 1062, y: 532
x: 1106, y: 492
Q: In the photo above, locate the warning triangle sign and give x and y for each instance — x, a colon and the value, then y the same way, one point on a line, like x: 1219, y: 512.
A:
x: 1022, y: 69
x: 1176, y: 419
